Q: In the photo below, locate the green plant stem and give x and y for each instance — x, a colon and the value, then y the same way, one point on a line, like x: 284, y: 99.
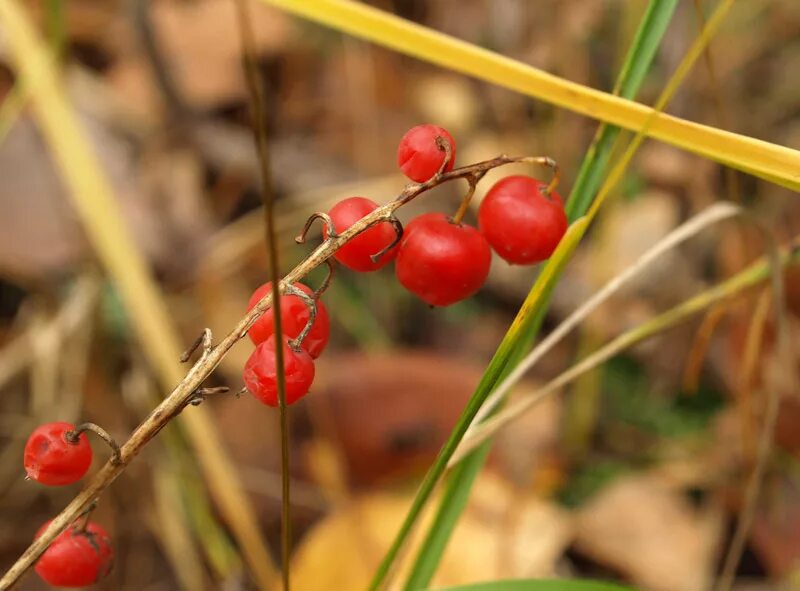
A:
x: 256, y: 93
x: 541, y: 585
x: 504, y: 353
x: 56, y: 27
x: 637, y: 62
x: 748, y: 278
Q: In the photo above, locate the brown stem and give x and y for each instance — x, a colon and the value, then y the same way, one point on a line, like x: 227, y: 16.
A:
x: 398, y: 236
x: 72, y: 437
x: 311, y: 304
x: 204, y: 338
x: 330, y: 229
x: 259, y: 129
x: 172, y: 405
x: 462, y: 210
x: 445, y: 147
x: 328, y: 278
x: 85, y: 516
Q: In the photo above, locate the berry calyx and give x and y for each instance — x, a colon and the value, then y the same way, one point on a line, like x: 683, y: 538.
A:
x: 260, y: 373
x: 77, y: 557
x: 440, y: 261
x: 53, y: 457
x: 521, y: 222
x: 356, y: 253
x: 294, y: 316
x: 418, y: 155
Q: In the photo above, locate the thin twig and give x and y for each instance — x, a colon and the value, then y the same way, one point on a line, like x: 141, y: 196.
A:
x: 255, y: 89
x: 750, y: 276
x: 753, y: 489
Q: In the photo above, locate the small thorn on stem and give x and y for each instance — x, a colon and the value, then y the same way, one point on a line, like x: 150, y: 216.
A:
x: 204, y: 339
x: 192, y: 348
x: 199, y: 395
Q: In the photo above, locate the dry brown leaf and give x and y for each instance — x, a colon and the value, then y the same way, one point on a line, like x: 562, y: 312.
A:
x: 201, y: 44
x: 39, y: 233
x: 501, y: 534
x: 649, y: 531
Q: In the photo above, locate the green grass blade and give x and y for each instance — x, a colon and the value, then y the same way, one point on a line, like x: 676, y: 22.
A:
x: 504, y: 352
x: 541, y: 585
x: 517, y: 340
x: 452, y: 506
x: 637, y: 63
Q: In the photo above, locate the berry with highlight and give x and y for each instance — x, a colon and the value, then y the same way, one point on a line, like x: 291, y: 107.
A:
x: 52, y: 457
x: 419, y: 156
x: 261, y: 376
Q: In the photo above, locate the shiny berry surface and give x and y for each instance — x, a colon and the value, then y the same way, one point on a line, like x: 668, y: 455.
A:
x: 419, y: 157
x: 51, y: 459
x: 76, y: 558
x: 260, y: 373
x: 442, y: 262
x: 521, y: 223
x: 356, y: 253
x: 294, y: 316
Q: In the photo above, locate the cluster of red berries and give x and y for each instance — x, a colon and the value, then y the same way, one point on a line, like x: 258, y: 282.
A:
x: 440, y: 260
x: 444, y: 261
x: 56, y: 455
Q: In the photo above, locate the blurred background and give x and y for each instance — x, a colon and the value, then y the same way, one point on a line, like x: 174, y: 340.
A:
x: 635, y: 473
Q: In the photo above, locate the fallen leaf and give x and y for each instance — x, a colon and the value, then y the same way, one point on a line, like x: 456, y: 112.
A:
x: 650, y: 532
x: 502, y: 534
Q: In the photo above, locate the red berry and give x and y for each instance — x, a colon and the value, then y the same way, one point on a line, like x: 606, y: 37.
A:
x: 294, y: 316
x: 522, y: 224
x: 440, y: 261
x: 76, y: 558
x: 260, y: 375
x: 419, y: 157
x: 355, y: 254
x: 50, y: 458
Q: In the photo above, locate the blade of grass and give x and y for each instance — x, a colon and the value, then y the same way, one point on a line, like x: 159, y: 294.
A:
x: 541, y: 585
x: 712, y: 215
x: 256, y: 94
x: 463, y: 475
x: 634, y: 69
x: 559, y: 258
x: 167, y: 523
x: 94, y: 202
x: 56, y: 27
x: 775, y: 163
x: 787, y: 382
x: 751, y: 276
x: 18, y: 96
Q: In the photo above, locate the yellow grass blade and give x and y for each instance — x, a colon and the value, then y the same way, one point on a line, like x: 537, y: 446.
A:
x: 93, y: 199
x: 775, y: 163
